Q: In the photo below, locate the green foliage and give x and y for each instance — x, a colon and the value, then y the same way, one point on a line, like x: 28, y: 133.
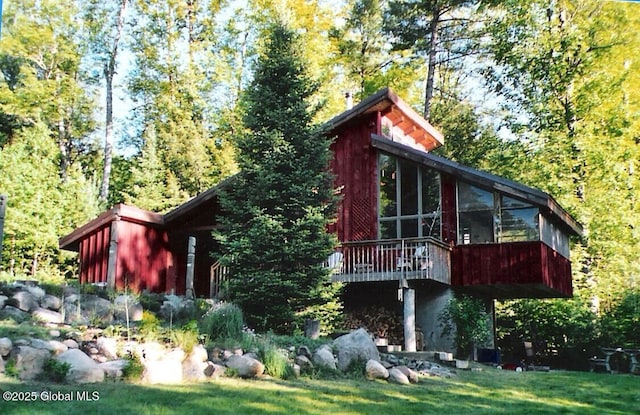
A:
x: 275, y: 360
x: 149, y: 328
x: 186, y: 337
x: 55, y: 370
x: 10, y: 368
x: 466, y: 319
x: 224, y: 321
x: 619, y: 323
x: 134, y: 368
x: 274, y: 236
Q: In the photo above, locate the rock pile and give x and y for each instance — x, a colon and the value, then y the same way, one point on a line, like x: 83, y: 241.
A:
x: 94, y: 356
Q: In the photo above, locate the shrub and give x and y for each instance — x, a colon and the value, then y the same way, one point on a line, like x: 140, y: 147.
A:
x: 276, y: 363
x: 466, y: 319
x: 55, y: 370
x: 134, y: 368
x: 186, y: 337
x: 224, y: 321
x: 149, y: 328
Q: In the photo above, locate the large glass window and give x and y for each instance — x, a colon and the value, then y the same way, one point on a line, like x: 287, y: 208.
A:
x: 487, y: 217
x: 475, y: 214
x: 409, y: 198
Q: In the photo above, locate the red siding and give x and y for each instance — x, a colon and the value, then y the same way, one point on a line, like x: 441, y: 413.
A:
x: 143, y: 256
x: 355, y: 166
x: 512, y: 270
x: 94, y: 255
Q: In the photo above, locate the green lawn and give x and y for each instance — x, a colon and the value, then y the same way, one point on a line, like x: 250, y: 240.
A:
x: 487, y: 392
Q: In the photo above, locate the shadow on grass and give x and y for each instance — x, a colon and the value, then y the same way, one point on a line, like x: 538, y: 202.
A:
x: 489, y: 392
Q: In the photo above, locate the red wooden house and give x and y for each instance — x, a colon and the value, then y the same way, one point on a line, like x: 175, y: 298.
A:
x: 411, y: 225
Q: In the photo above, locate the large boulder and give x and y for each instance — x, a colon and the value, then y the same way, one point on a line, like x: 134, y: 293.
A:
x: 167, y: 370
x: 51, y: 302
x: 323, y: 357
x: 25, y: 301
x: 83, y: 369
x: 3, y: 300
x: 107, y: 346
x: 36, y: 291
x: 14, y: 313
x: 355, y: 346
x: 29, y: 361
x: 214, y: 371
x: 396, y: 376
x: 5, y: 346
x: 409, y: 373
x: 47, y: 316
x: 124, y: 304
x: 247, y: 367
x: 375, y: 370
x: 97, y: 308
x: 113, y: 369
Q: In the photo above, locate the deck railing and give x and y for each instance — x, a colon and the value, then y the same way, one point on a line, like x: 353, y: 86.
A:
x: 387, y: 260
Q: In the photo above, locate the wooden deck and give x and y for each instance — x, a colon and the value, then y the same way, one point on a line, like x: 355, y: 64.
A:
x: 392, y: 260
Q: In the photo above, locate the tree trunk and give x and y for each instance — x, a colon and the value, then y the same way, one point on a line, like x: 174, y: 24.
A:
x: 109, y: 72
x: 431, y: 70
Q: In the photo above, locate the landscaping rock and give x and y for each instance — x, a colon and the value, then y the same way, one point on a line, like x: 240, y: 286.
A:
x: 5, y: 346
x: 323, y: 357
x: 304, y: 362
x: 304, y: 351
x: 375, y: 370
x: 13, y: 313
x: 193, y: 370
x: 47, y: 316
x: 357, y: 345
x: 246, y: 367
x: 165, y: 371
x: 396, y: 376
x: 113, y: 369
x: 108, y: 346
x: 214, y: 371
x: 83, y: 368
x: 29, y: 361
x: 149, y: 351
x: 122, y: 303
x: 25, y: 301
x: 198, y: 354
x: 3, y: 300
x: 57, y: 347
x: 96, y: 308
x: 71, y: 344
x: 51, y: 302
x: 410, y: 374
x: 36, y: 291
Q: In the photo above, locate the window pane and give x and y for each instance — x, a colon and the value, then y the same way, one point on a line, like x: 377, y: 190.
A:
x: 509, y: 202
x: 388, y: 229
x: 476, y: 227
x: 519, y: 225
x: 409, y: 188
x: 409, y: 228
x: 431, y: 226
x: 430, y: 191
x: 387, y: 169
x: 473, y: 198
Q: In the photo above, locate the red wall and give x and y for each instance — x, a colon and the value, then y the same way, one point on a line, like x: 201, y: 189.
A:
x: 511, y: 264
x: 355, y: 166
x: 94, y: 255
x: 143, y: 257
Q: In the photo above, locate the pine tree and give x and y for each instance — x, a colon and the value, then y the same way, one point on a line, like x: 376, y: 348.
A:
x: 279, y: 206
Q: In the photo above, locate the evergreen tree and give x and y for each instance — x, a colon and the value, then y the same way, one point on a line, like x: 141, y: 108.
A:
x: 274, y: 232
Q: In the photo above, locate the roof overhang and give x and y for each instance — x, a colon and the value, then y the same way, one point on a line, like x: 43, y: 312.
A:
x: 403, y: 123
x: 121, y: 211
x: 534, y: 196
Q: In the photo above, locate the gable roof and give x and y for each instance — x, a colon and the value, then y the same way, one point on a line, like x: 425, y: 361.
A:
x: 404, y: 123
x: 537, y: 197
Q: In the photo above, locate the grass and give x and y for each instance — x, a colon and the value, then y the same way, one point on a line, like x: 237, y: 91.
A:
x: 487, y: 392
